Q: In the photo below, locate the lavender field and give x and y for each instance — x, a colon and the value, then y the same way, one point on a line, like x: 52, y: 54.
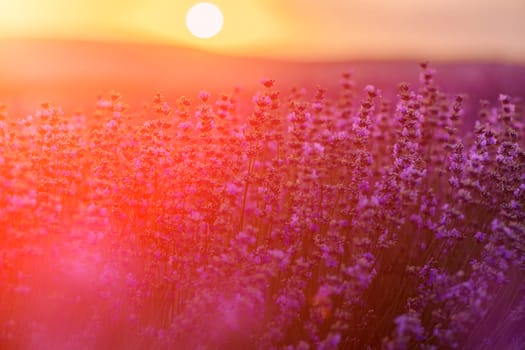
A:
x: 297, y: 219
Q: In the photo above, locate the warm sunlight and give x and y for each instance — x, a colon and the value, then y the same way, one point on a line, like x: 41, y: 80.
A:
x: 295, y: 29
x: 262, y: 174
x: 204, y: 20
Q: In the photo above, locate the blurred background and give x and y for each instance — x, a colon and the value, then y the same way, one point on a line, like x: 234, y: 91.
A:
x: 68, y: 51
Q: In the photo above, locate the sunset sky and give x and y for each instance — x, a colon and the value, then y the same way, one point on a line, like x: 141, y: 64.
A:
x: 490, y: 30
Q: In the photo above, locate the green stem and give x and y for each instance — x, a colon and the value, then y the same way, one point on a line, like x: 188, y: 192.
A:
x: 245, y: 195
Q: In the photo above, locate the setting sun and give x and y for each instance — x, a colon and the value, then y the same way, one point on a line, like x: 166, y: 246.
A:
x: 204, y: 20
x: 262, y: 174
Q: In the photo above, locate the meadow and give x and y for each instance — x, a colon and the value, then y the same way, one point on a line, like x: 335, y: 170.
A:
x: 300, y: 219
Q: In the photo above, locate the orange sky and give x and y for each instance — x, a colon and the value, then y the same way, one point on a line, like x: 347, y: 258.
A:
x: 300, y: 29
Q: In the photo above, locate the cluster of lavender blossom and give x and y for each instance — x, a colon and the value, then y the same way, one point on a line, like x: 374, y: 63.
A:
x: 313, y: 222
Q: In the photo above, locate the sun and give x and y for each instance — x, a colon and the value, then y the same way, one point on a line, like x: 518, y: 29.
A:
x: 204, y: 20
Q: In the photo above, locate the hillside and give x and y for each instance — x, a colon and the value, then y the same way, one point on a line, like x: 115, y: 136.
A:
x: 72, y: 73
